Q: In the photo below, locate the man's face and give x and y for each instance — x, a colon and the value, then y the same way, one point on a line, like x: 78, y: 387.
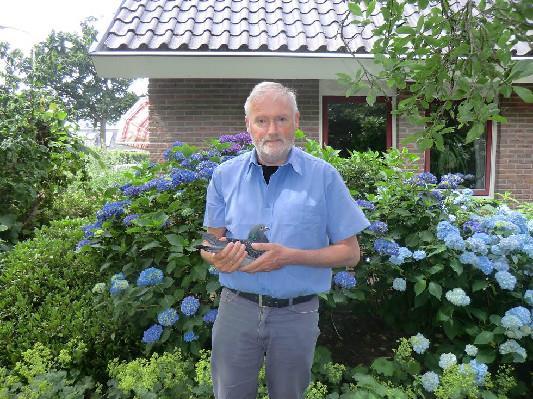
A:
x: 271, y: 123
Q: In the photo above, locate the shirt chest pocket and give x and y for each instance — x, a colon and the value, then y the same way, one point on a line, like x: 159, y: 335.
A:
x: 301, y: 216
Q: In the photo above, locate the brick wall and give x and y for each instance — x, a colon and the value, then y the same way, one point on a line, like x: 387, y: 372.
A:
x: 404, y: 129
x: 194, y: 110
x: 514, y: 150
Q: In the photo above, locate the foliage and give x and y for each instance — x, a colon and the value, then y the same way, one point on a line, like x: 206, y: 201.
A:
x: 458, y: 56
x: 160, y: 286
x: 41, y: 375
x: 45, y: 296
x: 63, y: 66
x: 40, y: 156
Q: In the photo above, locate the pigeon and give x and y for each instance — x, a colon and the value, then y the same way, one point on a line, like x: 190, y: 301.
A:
x: 257, y: 234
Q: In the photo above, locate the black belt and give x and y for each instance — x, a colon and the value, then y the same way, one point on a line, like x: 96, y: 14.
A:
x: 265, y: 300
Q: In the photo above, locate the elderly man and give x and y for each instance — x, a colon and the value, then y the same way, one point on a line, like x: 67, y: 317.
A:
x: 269, y: 308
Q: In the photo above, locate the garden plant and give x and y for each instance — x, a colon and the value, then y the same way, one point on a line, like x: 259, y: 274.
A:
x: 447, y: 273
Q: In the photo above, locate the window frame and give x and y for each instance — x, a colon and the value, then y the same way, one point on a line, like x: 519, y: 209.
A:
x: 326, y: 100
x: 485, y: 191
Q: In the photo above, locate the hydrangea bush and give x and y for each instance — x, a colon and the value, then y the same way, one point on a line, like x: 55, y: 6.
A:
x: 448, y: 270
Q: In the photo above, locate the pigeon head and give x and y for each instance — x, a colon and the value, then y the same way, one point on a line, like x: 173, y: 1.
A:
x: 257, y: 233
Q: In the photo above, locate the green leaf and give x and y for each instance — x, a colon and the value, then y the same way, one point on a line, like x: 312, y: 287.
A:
x: 212, y: 286
x: 456, y: 266
x: 422, y: 4
x: 152, y: 244
x: 450, y: 329
x: 480, y: 314
x: 435, y: 290
x: 420, y: 286
x: 355, y: 9
x: 383, y: 366
x: 435, y: 269
x: 174, y: 239
x: 524, y: 93
x: 522, y: 69
x: 371, y: 7
x: 486, y: 355
x: 478, y: 285
x: 371, y: 98
x: 484, y: 338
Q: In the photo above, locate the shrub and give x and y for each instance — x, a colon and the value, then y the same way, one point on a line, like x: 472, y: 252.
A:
x: 45, y: 296
x: 39, y: 155
x: 41, y: 375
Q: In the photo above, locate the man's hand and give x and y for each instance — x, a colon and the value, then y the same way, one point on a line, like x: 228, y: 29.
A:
x: 275, y: 257
x: 229, y: 259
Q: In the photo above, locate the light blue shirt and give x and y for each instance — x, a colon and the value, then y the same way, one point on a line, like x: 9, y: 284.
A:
x: 306, y: 205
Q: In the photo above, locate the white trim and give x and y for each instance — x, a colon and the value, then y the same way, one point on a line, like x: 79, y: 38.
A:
x: 320, y: 114
x: 492, y: 181
x: 192, y: 54
x: 394, y: 120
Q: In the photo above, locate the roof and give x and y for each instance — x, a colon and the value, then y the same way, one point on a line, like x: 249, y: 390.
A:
x: 302, y: 26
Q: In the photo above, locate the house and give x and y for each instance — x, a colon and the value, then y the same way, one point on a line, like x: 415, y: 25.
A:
x: 202, y: 57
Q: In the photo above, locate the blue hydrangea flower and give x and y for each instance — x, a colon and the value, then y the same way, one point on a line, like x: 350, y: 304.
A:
x: 511, y: 346
x: 454, y: 241
x: 447, y: 360
x: 128, y: 220
x: 419, y: 343
x: 522, y: 313
x: 458, y: 297
x: 364, y: 204
x: 468, y: 258
x: 150, y: 276
x: 403, y: 254
x: 424, y: 178
x: 206, y: 168
x: 487, y: 239
x: 168, y: 317
x: 182, y: 176
x: 196, y: 157
x: 471, y: 350
x: 386, y: 247
x: 152, y: 334
x: 419, y: 254
x: 511, y: 322
x: 190, y: 305
x: 484, y: 264
x: 213, y: 153
x: 505, y: 280
x: 190, y: 336
x: 213, y: 271
x: 450, y: 181
x: 344, y: 280
x: 528, y: 297
x: 445, y: 228
x: 430, y: 381
x: 399, y: 284
x: 378, y: 227
x: 472, y: 226
x: 480, y: 370
x: 500, y: 264
x: 476, y: 245
x: 118, y: 286
x: 111, y: 210
x: 210, y: 316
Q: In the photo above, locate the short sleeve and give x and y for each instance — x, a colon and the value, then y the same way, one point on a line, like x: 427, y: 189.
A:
x: 344, y: 217
x: 215, y: 206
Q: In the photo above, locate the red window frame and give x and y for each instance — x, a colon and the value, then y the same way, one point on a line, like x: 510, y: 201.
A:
x: 326, y: 100
x: 488, y: 162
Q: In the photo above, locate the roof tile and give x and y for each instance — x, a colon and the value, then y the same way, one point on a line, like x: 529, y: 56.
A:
x: 246, y: 25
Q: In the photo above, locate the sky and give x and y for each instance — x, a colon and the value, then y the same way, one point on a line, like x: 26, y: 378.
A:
x: 24, y: 23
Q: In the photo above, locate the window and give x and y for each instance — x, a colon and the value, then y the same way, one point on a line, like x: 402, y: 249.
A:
x: 350, y: 124
x: 472, y: 159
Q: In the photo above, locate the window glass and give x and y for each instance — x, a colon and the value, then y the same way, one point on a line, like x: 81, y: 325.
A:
x: 357, y: 126
x: 469, y: 159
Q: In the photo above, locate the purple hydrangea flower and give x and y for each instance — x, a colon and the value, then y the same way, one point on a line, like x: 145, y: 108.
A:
x: 127, y: 221
x: 364, y: 204
x: 112, y: 210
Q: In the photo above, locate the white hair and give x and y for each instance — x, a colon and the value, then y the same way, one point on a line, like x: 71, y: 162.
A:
x: 264, y: 88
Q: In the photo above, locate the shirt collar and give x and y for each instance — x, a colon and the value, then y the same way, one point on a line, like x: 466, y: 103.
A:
x: 294, y: 159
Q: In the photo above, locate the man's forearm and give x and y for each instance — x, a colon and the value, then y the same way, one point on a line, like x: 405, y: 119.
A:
x: 344, y: 253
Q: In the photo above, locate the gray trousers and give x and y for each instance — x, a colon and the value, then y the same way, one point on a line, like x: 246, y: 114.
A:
x: 245, y: 335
